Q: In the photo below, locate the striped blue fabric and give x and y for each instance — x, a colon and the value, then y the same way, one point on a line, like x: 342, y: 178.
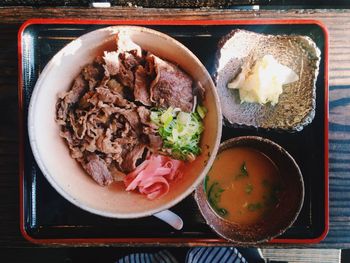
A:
x: 162, y: 256
x: 194, y: 255
x: 215, y: 255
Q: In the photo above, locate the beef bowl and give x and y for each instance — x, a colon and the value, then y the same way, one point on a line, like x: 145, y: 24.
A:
x: 124, y: 122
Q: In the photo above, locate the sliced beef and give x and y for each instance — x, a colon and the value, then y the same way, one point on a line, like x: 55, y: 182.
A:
x: 73, y: 144
x: 115, y: 87
x: 129, y: 60
x: 125, y: 76
x: 171, y: 87
x: 127, y: 131
x: 150, y: 66
x: 112, y: 99
x: 97, y: 169
x: 79, y: 86
x: 127, y: 68
x: 145, y: 117
x: 90, y: 144
x: 106, y: 145
x: 66, y: 99
x: 127, y: 140
x: 130, y: 160
x: 93, y: 73
x: 199, y: 91
x: 117, y: 175
x: 69, y: 137
x: 85, y: 102
x: 152, y: 138
x: 155, y: 142
x: 93, y: 128
x: 61, y: 112
x: 123, y: 64
x: 106, y: 130
x: 78, y: 124
x: 133, y: 118
x: 106, y: 95
x: 141, y: 89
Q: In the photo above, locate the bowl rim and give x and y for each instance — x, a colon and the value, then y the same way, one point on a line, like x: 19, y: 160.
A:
x: 36, y: 153
x: 199, y: 193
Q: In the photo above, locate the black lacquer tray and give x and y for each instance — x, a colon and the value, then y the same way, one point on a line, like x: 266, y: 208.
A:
x: 46, y: 217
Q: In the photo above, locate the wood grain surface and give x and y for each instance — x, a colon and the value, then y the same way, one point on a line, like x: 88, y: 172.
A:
x: 143, y: 3
x: 338, y: 24
x: 183, y: 3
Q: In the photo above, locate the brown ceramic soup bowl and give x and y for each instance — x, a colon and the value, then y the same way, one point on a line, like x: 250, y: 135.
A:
x: 281, y: 217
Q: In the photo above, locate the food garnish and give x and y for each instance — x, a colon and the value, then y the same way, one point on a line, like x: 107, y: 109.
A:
x: 153, y: 176
x: 180, y: 131
x: 261, y: 81
x: 214, y: 195
x: 243, y: 172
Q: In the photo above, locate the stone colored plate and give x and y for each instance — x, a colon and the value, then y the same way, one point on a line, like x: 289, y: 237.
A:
x: 296, y: 106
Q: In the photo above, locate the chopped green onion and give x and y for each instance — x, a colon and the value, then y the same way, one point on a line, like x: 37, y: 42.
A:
x: 167, y: 116
x: 202, y: 111
x: 243, y: 171
x: 183, y: 118
x: 214, y: 195
x: 180, y: 131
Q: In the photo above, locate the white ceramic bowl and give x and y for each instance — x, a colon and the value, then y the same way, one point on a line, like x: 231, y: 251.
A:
x: 52, y: 154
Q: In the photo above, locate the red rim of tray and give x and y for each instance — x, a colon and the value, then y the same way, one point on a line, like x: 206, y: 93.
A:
x: 169, y: 240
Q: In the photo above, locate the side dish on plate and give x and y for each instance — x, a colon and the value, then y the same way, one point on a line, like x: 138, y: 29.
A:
x: 267, y: 81
x: 131, y: 116
x: 261, y: 80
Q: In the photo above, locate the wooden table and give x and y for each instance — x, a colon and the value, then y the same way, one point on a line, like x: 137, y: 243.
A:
x: 338, y: 23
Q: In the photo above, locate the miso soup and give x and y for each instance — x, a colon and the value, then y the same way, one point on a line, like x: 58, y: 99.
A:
x: 243, y: 185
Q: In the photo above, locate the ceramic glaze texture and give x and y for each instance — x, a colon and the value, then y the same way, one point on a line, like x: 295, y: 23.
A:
x: 296, y: 106
x: 281, y: 217
x: 52, y: 154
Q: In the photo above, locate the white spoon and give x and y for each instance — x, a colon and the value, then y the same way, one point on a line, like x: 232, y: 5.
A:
x: 170, y: 218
